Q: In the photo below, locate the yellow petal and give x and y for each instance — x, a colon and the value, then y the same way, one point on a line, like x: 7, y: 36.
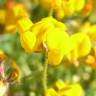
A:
x: 73, y: 55
x: 24, y: 24
x: 50, y: 92
x: 85, y: 46
x: 28, y: 40
x: 18, y: 11
x: 60, y: 85
x: 2, y: 16
x: 2, y: 55
x: 69, y: 7
x: 79, y: 5
x: 74, y: 90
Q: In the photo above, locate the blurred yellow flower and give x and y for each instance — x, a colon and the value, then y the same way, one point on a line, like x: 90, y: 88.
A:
x: 63, y: 89
x: 18, y: 11
x: 2, y: 16
x: 79, y: 5
x: 2, y: 55
x: 50, y: 92
x: 63, y: 7
x: 73, y: 90
x: 12, y: 15
x: 91, y: 59
x: 81, y: 46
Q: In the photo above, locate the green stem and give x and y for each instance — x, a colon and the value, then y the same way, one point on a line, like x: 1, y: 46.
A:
x: 45, y: 73
x: 51, y: 12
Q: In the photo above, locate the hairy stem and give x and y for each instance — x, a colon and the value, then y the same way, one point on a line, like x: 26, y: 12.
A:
x: 45, y: 67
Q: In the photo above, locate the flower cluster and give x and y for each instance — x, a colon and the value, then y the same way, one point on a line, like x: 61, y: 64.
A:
x: 49, y: 34
x: 63, y: 8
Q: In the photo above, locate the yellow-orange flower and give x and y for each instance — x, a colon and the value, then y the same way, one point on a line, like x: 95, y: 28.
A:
x: 12, y: 15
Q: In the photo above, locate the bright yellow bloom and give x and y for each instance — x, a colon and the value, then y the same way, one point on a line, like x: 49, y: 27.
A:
x: 2, y: 16
x: 59, y: 13
x: 50, y: 92
x: 63, y: 89
x: 12, y: 15
x: 52, y: 33
x: 18, y: 11
x: 73, y: 90
x: 59, y: 85
x: 69, y: 7
x: 46, y: 23
x: 79, y: 5
x: 92, y: 32
x: 24, y: 24
x: 57, y: 42
x: 28, y: 40
x: 63, y: 7
x: 91, y: 59
x: 42, y: 26
x: 81, y: 46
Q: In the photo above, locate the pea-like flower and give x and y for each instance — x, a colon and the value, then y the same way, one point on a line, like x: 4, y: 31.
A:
x: 63, y: 8
x: 81, y: 45
x: 64, y: 89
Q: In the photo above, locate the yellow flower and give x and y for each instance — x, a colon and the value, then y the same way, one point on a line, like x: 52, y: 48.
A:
x: 24, y: 24
x: 79, y: 5
x: 2, y: 55
x: 10, y: 24
x: 40, y: 29
x: 59, y: 85
x: 64, y: 89
x: 52, y: 33
x: 73, y: 55
x: 50, y: 92
x: 91, y: 59
x: 69, y: 7
x: 2, y: 16
x: 28, y: 40
x: 18, y: 11
x: 12, y: 15
x: 92, y: 32
x: 59, y: 13
x: 57, y: 42
x: 47, y: 4
x: 81, y: 46
x: 73, y: 90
